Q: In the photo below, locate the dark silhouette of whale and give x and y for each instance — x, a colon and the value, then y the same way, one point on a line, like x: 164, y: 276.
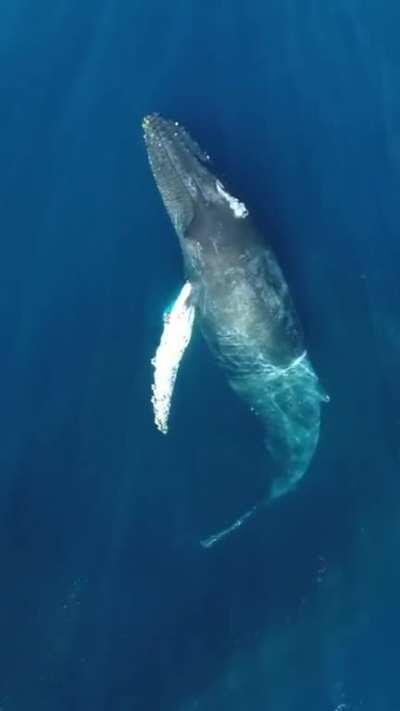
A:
x: 235, y: 289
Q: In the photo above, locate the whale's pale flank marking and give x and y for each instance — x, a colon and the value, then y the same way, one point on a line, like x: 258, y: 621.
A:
x: 236, y: 292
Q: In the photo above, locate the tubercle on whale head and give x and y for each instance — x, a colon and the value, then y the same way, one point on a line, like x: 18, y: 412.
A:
x: 173, y: 137
x: 182, y: 173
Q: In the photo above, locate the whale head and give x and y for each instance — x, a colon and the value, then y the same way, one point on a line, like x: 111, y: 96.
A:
x: 183, y: 176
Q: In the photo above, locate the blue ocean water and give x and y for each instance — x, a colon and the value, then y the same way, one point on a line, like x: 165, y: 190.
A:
x: 106, y: 599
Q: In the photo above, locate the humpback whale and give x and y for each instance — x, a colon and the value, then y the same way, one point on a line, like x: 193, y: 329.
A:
x: 235, y: 290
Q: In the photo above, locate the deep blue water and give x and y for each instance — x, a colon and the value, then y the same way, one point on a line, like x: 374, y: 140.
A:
x: 106, y: 599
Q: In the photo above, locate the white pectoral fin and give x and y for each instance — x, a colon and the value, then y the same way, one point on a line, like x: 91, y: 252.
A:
x: 178, y: 326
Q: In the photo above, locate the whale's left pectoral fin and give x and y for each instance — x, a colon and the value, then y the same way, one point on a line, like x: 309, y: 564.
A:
x: 178, y: 326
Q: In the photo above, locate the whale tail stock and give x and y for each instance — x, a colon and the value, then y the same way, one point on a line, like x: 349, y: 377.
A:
x: 289, y: 401
x: 217, y: 537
